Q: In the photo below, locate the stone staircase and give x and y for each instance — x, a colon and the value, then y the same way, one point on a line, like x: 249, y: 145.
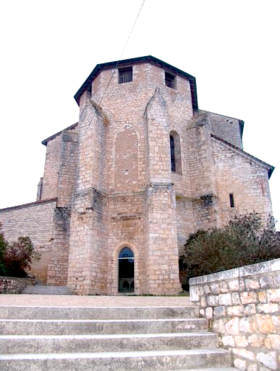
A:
x: 46, y: 290
x: 103, y: 338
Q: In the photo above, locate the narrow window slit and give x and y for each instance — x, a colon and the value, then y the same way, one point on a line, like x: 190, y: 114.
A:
x: 231, y: 200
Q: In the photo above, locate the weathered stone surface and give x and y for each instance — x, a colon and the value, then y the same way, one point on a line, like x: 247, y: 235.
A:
x: 235, y: 298
x: 265, y: 324
x: 240, y: 364
x: 233, y: 285
x: 219, y: 311
x: 232, y: 326
x: 262, y: 296
x: 250, y: 309
x: 237, y: 310
x: 253, y: 367
x: 268, y: 359
x: 274, y: 341
x: 209, y: 312
x: 255, y: 341
x: 228, y: 341
x: 251, y: 325
x: 247, y: 325
x: 273, y: 296
x: 241, y: 341
x: 268, y: 308
x: 248, y: 297
x: 225, y: 299
x: 244, y: 353
x: 252, y: 284
x: 213, y: 300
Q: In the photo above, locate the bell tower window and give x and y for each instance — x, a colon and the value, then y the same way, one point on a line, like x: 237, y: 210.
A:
x: 125, y: 75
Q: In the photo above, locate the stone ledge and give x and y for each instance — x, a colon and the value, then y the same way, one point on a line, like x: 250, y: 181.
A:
x: 248, y: 270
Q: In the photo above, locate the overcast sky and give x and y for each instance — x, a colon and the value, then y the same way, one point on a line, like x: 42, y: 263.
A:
x: 48, y: 48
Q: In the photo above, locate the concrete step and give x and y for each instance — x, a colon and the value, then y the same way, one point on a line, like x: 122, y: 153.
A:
x: 105, y: 343
x: 148, y: 361
x: 97, y: 313
x: 81, y: 327
x: 46, y: 290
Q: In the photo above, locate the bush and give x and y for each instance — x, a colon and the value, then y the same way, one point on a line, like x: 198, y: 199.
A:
x: 243, y: 241
x: 16, y: 257
x: 3, y: 245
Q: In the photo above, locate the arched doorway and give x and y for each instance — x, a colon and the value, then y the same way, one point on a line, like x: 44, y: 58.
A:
x: 126, y: 270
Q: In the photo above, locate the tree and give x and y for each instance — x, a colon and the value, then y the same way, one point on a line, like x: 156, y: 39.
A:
x: 243, y: 241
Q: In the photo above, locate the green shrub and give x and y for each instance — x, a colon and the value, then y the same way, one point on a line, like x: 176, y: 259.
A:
x: 16, y: 257
x: 243, y: 241
x: 3, y: 245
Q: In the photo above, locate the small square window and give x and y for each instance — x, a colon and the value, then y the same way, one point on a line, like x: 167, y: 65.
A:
x: 125, y: 75
x: 170, y: 80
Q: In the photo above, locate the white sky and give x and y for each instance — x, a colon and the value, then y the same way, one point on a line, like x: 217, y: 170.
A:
x: 48, y: 48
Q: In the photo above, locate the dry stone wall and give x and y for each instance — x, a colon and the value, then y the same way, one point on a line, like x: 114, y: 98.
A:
x: 243, y: 307
x: 14, y: 285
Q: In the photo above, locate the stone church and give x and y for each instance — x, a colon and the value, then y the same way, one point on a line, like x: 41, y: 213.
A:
x: 124, y: 187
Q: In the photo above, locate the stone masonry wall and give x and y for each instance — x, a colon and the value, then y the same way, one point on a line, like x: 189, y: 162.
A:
x: 36, y: 221
x: 243, y: 177
x: 243, y: 307
x: 14, y: 285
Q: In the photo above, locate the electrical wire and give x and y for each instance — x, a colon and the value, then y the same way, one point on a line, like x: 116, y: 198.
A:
x: 122, y: 51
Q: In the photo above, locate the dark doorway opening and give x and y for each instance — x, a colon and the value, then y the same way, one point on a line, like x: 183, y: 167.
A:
x: 126, y: 270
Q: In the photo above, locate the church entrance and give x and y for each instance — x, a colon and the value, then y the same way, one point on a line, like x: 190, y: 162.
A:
x: 126, y: 270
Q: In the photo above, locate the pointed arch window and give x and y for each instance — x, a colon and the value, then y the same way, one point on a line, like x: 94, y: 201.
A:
x: 175, y: 152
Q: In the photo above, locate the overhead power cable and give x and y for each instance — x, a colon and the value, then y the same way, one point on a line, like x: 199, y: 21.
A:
x: 122, y: 51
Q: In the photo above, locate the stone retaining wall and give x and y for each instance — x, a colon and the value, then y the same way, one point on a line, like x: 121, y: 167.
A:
x: 243, y: 307
x: 14, y: 285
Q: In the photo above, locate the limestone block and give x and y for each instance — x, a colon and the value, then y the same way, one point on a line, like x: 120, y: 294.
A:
x: 237, y: 310
x: 253, y: 367
x: 265, y: 324
x: 228, y: 341
x: 232, y: 326
x: 255, y: 340
x: 262, y: 296
x: 268, y: 308
x: 251, y: 284
x: 268, y: 359
x: 209, y: 312
x: 240, y: 364
x: 273, y: 295
x: 225, y: 299
x: 248, y: 297
x: 219, y: 311
x: 274, y: 341
x: 247, y: 354
x: 250, y: 309
x: 235, y: 298
x: 247, y: 325
x: 213, y: 300
x: 233, y: 285
x: 241, y: 341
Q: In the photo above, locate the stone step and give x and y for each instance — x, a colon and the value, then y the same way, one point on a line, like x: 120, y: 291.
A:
x: 148, y: 361
x: 81, y: 327
x: 16, y: 312
x: 208, y: 369
x: 46, y: 290
x: 105, y: 343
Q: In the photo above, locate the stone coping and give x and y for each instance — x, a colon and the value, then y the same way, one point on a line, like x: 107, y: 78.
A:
x: 247, y: 270
x: 30, y: 204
